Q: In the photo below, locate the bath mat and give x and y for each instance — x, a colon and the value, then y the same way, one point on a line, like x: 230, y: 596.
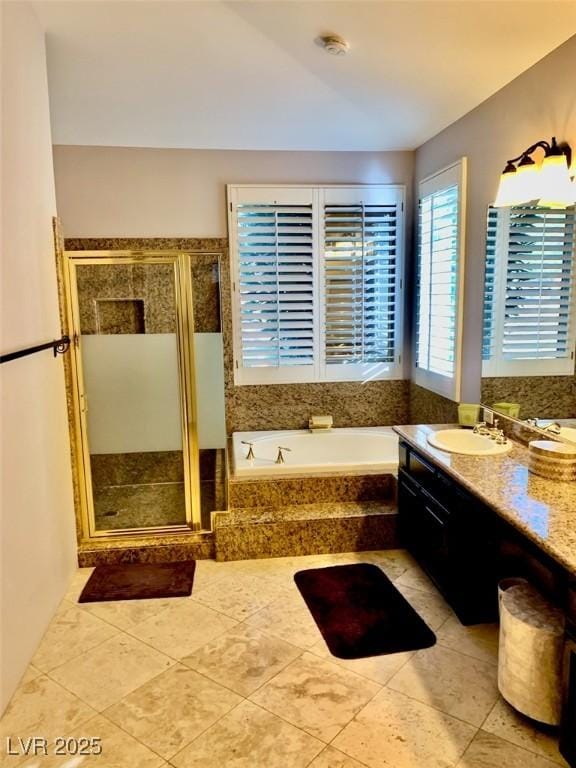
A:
x: 360, y: 612
x: 138, y: 581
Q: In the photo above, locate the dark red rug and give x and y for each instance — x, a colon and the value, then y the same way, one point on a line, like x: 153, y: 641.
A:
x: 360, y: 612
x: 138, y: 581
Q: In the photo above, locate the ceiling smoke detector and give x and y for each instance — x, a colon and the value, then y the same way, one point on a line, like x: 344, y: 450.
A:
x: 334, y: 45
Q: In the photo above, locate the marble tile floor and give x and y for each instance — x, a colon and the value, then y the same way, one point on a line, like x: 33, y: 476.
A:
x: 238, y: 676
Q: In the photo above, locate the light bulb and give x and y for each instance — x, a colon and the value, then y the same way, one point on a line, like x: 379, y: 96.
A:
x: 556, y: 189
x: 507, y: 189
x: 527, y: 182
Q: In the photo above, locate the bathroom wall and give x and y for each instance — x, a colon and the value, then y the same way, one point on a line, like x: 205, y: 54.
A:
x: 538, y: 104
x: 37, y: 536
x: 133, y: 192
x: 177, y: 193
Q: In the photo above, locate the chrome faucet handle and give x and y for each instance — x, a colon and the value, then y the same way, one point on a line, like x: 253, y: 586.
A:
x: 250, y: 455
x: 554, y: 428
x: 280, y: 457
x: 477, y: 427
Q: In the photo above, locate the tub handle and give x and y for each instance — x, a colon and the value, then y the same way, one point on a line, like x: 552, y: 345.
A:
x: 280, y: 457
x: 250, y: 455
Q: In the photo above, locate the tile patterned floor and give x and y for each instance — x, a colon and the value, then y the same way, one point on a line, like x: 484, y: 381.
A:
x: 238, y: 676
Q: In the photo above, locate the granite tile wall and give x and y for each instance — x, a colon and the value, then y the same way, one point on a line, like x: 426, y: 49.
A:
x: 101, y: 286
x: 427, y: 407
x: 543, y: 397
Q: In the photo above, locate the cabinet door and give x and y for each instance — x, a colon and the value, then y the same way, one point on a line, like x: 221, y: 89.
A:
x: 568, y: 728
x: 423, y: 526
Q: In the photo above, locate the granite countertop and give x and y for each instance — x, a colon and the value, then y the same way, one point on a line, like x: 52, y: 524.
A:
x: 543, y: 510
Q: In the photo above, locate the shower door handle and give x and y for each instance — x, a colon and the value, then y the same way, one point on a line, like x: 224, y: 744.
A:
x: 83, y: 403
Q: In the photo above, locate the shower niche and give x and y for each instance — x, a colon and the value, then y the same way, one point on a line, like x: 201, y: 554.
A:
x: 148, y: 390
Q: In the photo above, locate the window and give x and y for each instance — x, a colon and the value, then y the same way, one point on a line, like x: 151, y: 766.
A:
x: 530, y: 292
x: 439, y: 280
x: 316, y: 282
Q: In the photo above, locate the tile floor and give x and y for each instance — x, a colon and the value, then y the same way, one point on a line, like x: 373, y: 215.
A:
x: 238, y: 676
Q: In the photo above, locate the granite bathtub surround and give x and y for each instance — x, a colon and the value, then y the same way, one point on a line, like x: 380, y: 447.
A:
x: 309, y: 515
x: 543, y: 510
x: 543, y: 397
x: 305, y: 529
x: 427, y: 407
x: 309, y: 490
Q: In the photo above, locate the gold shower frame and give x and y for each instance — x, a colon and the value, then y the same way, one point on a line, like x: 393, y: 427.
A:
x: 181, y: 263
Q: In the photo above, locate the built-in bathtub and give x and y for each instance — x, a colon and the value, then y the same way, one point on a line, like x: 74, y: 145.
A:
x: 347, y: 450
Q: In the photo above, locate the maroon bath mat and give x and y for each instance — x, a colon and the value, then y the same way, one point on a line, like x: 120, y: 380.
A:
x: 360, y: 612
x: 138, y: 581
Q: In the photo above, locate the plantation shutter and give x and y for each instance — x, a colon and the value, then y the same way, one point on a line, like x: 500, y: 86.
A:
x: 529, y: 324
x: 275, y: 282
x: 438, y: 278
x: 316, y: 282
x: 362, y: 246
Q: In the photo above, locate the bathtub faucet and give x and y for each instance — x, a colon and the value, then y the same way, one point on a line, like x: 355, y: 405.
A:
x: 280, y: 458
x: 250, y: 455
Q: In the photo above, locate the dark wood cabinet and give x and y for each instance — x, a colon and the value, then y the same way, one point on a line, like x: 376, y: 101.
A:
x: 445, y: 530
x: 466, y: 548
x: 568, y: 727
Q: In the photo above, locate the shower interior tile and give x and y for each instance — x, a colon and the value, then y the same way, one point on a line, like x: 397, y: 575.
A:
x: 120, y: 316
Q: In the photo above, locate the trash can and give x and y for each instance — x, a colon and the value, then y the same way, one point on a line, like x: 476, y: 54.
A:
x: 530, y: 653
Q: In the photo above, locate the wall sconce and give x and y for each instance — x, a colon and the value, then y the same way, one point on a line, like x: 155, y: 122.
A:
x: 549, y: 184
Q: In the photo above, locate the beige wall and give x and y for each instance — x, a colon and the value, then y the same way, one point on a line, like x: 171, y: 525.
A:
x: 131, y: 192
x: 37, y: 526
x: 538, y: 104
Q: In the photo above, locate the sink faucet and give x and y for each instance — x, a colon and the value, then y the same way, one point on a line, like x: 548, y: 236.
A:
x: 554, y: 428
x: 492, y: 432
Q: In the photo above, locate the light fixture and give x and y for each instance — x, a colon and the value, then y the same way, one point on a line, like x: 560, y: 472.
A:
x: 548, y: 184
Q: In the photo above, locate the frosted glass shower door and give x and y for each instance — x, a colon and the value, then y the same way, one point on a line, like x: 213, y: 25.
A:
x: 135, y: 401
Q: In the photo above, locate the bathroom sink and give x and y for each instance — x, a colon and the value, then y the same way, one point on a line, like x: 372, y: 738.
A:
x: 466, y: 442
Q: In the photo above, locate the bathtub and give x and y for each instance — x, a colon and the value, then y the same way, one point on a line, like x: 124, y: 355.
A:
x: 356, y: 449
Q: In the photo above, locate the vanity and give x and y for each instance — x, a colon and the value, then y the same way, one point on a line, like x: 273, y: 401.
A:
x: 472, y: 521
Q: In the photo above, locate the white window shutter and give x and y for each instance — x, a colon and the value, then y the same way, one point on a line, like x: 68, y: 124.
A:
x: 530, y: 292
x: 362, y: 239
x: 316, y: 282
x: 274, y: 281
x: 439, y: 281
